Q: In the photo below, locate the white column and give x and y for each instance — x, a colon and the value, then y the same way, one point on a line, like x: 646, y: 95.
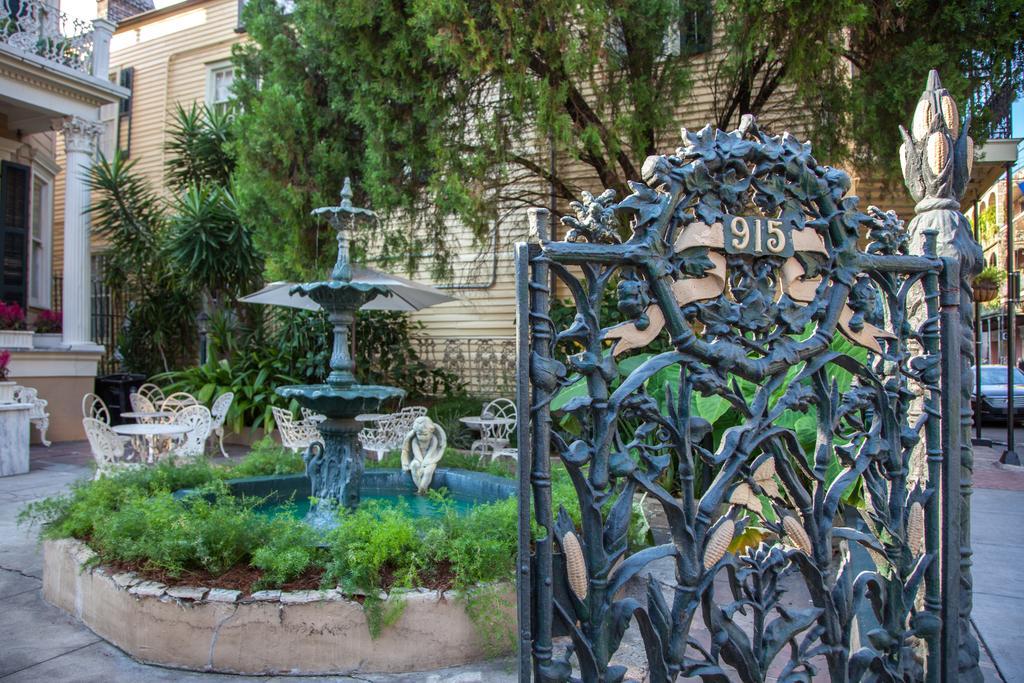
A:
x: 102, y: 30
x: 80, y: 146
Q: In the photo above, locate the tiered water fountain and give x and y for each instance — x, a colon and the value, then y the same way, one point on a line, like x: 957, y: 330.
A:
x: 335, y: 470
x: 311, y: 632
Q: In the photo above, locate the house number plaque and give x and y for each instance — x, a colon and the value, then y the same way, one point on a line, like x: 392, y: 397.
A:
x: 756, y: 236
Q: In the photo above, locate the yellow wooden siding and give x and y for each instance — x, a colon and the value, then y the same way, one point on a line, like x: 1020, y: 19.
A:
x: 170, y: 70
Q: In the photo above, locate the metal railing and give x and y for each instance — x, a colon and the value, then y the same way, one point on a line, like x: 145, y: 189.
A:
x: 487, y: 365
x: 108, y: 311
x: 42, y: 29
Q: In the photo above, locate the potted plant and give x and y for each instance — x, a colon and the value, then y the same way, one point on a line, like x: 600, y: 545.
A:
x: 987, y: 283
x: 49, y: 325
x: 13, y: 332
x: 6, y: 387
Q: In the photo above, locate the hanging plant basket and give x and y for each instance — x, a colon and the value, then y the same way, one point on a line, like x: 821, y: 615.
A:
x: 985, y: 291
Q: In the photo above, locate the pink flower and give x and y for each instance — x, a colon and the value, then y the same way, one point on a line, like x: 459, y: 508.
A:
x: 49, y: 322
x: 5, y: 359
x: 12, y: 317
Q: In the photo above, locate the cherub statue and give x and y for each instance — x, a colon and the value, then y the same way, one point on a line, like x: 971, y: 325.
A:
x: 422, y: 450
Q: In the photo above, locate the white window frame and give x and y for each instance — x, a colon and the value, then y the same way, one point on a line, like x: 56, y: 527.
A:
x: 43, y: 300
x: 211, y: 71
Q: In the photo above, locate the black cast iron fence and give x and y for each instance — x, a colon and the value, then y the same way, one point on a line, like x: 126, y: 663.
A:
x: 843, y: 475
x: 107, y: 316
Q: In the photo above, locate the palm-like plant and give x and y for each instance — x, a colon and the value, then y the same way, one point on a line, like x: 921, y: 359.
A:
x: 208, y: 246
x: 198, y: 148
x: 131, y: 218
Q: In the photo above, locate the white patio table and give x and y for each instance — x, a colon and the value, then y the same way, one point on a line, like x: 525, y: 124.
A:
x: 477, y: 421
x: 149, y: 432
x: 148, y: 415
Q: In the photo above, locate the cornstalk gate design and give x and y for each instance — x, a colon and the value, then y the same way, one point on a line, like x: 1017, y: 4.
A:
x: 729, y: 289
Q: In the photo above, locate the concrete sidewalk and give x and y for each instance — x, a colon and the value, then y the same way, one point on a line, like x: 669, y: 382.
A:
x: 997, y: 528
x: 39, y: 642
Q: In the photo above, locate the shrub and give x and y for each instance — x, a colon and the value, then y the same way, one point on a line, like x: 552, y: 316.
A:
x: 371, y: 544
x: 161, y: 532
x: 266, y: 458
x: 133, y: 518
x: 291, y: 549
x: 447, y: 411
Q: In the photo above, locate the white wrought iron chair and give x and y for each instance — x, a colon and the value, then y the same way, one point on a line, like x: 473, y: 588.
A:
x: 178, y: 400
x: 94, y: 407
x: 309, y: 416
x: 295, y: 434
x: 219, y: 413
x: 401, y: 422
x: 377, y: 441
x: 142, y: 404
x: 37, y: 415
x: 495, y: 436
x: 107, y: 448
x: 197, y: 419
x: 152, y: 392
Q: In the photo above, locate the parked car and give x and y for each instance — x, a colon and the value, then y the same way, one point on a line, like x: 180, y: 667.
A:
x: 993, y: 392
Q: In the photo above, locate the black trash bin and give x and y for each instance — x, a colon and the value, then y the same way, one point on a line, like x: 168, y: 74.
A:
x: 115, y: 390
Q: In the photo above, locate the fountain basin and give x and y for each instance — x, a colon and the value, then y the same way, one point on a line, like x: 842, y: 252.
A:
x: 290, y: 492
x: 347, y: 401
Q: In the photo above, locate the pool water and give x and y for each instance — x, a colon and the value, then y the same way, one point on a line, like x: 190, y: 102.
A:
x: 418, y: 506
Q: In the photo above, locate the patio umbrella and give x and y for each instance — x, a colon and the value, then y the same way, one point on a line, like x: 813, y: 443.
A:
x: 406, y: 295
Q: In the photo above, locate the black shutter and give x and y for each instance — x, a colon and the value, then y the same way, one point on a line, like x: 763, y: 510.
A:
x: 124, y: 112
x: 14, y: 200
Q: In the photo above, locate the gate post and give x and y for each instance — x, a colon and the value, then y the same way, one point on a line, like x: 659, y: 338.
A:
x: 936, y: 157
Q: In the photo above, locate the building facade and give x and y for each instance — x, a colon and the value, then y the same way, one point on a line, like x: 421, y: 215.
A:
x: 53, y: 83
x: 989, y: 211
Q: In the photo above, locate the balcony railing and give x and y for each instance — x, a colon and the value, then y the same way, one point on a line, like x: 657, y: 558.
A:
x: 41, y: 29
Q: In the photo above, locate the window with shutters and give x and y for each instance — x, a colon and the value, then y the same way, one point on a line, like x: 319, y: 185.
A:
x: 692, y: 34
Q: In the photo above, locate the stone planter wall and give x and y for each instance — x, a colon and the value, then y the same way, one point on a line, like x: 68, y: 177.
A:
x: 312, y: 632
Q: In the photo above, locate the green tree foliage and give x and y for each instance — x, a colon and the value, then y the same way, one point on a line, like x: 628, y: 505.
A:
x: 429, y: 106
x: 445, y: 110
x: 988, y: 228
x: 208, y: 247
x: 199, y: 147
x: 976, y: 45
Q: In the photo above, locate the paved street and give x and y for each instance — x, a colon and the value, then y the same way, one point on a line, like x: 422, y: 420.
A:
x: 39, y: 642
